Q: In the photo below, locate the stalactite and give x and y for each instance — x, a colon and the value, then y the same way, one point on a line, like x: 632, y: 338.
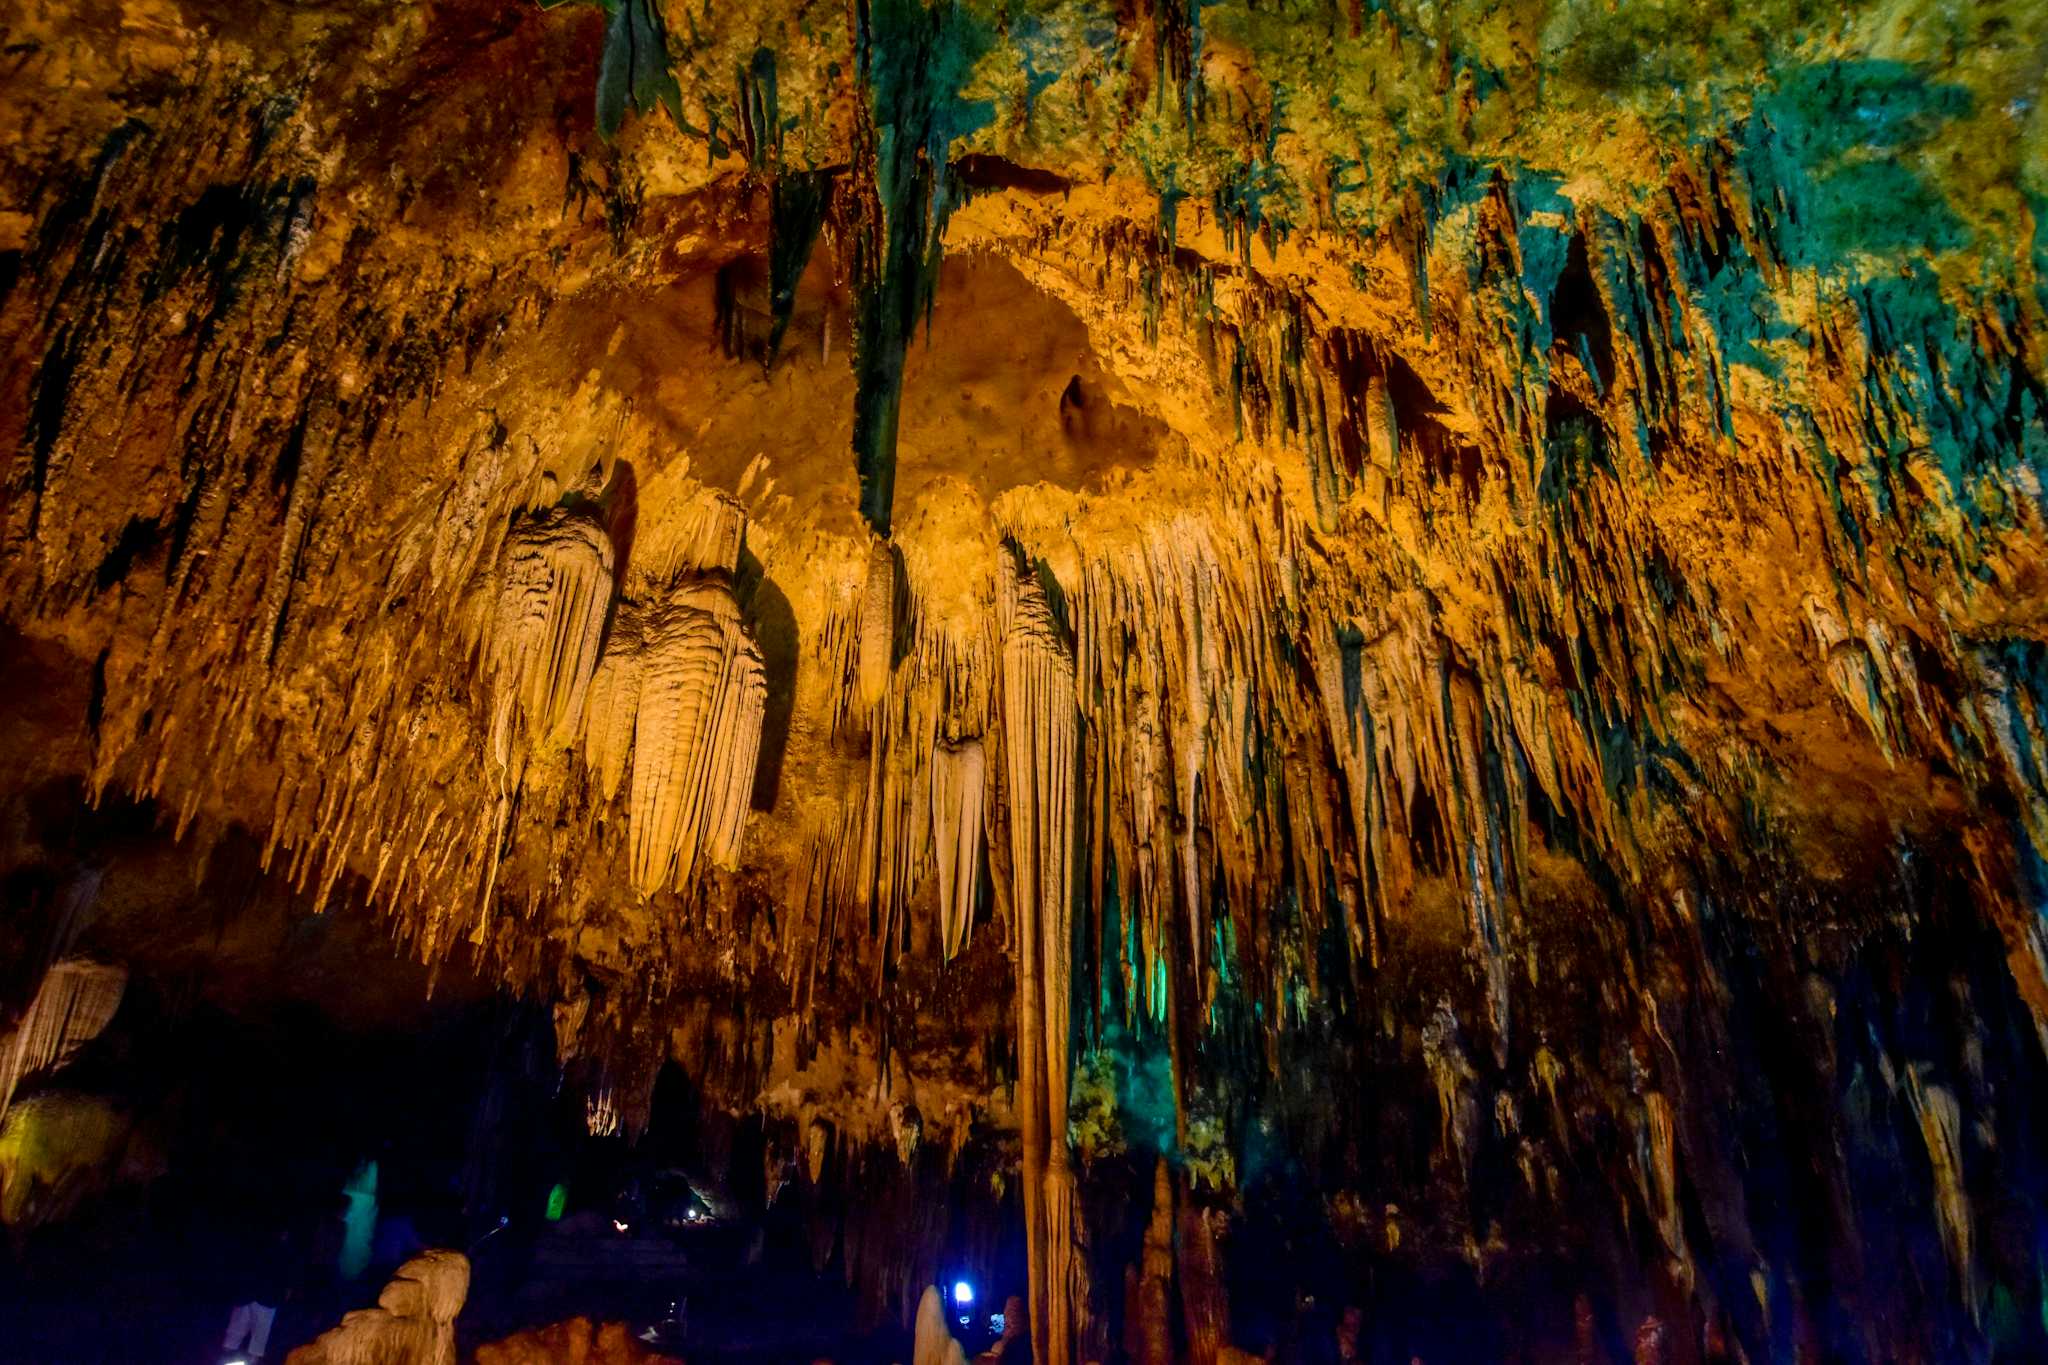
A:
x: 911, y: 62
x: 1039, y: 744
x: 73, y: 1006
x: 555, y: 591
x: 682, y: 682
x: 877, y: 624
x: 1662, y: 1193
x: 1941, y: 1128
x: 957, y: 787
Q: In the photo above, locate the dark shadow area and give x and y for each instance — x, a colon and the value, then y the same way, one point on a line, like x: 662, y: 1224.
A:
x: 769, y: 617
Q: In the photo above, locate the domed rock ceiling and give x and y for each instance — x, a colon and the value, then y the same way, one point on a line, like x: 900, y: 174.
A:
x: 1434, y: 613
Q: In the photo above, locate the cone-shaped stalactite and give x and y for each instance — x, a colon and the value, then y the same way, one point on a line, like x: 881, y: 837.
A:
x: 913, y: 60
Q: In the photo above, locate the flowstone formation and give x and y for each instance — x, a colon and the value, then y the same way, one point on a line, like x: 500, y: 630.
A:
x: 1390, y: 653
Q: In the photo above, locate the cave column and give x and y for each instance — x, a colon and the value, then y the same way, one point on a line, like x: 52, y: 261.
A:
x: 1040, y: 733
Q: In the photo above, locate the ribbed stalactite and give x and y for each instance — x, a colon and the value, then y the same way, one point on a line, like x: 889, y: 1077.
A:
x: 554, y: 596
x: 877, y: 642
x: 73, y: 1005
x: 959, y: 781
x: 1040, y: 748
x: 677, y: 703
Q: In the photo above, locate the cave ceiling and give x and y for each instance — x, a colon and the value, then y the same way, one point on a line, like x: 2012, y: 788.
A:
x: 758, y: 524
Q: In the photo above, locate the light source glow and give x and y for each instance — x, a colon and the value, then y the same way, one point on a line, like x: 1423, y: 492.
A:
x: 963, y: 1292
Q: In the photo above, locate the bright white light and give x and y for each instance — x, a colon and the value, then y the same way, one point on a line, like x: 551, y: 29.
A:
x: 963, y: 1292
x: 617, y: 1224
x: 696, y: 1215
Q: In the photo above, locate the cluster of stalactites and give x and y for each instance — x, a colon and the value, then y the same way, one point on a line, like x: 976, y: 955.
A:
x: 669, y: 689
x: 554, y: 593
x: 918, y: 819
x: 681, y: 693
x: 1208, y: 689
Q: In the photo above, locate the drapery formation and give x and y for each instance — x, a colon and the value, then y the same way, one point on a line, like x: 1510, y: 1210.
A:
x: 1040, y: 745
x: 680, y: 689
x: 75, y: 1002
x: 553, y: 596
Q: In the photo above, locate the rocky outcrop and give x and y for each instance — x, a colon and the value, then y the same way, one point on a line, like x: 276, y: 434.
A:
x: 412, y: 1324
x: 575, y: 1342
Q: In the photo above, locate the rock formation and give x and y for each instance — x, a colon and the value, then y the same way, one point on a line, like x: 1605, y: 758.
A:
x: 680, y: 690
x: 1039, y: 731
x: 575, y: 1342
x: 74, y: 1003
x: 1426, y: 620
x: 932, y: 1343
x: 412, y: 1324
x: 554, y: 594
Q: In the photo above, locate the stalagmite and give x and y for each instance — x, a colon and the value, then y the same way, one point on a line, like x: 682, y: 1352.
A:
x: 1148, y: 1311
x: 1039, y: 738
x: 74, y: 1004
x: 681, y: 692
x: 554, y: 594
x: 932, y: 1342
x: 1205, y: 1298
x: 412, y: 1324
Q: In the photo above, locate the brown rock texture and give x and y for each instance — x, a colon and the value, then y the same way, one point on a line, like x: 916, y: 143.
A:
x: 575, y: 1342
x: 412, y: 1324
x: 1439, y: 603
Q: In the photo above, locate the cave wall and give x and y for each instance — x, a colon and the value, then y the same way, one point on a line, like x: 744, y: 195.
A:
x: 1529, y: 519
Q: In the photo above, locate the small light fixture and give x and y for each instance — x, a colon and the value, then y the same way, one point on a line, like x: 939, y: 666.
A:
x: 963, y: 1293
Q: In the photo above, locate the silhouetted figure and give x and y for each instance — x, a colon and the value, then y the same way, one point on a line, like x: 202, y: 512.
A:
x: 266, y: 1284
x: 1013, y: 1347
